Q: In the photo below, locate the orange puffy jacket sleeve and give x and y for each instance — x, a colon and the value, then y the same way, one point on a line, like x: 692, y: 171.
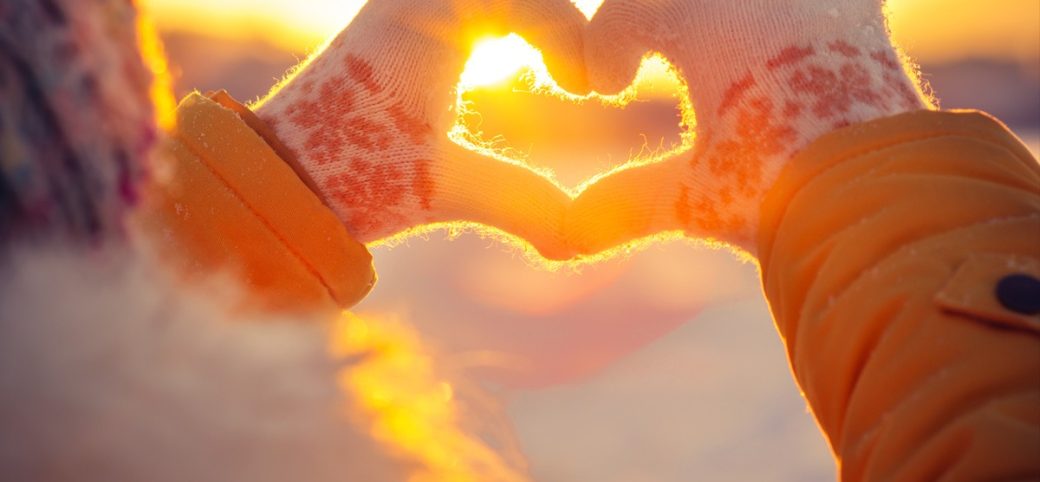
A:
x: 226, y: 199
x: 901, y: 261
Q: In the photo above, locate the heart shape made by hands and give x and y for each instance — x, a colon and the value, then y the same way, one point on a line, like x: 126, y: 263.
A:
x: 597, y: 224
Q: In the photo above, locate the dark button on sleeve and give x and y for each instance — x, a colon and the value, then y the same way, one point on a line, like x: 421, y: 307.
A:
x: 1020, y: 293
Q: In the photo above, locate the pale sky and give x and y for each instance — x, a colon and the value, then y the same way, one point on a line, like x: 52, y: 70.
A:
x: 932, y: 30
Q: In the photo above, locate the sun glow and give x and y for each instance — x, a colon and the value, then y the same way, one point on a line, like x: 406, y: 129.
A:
x: 487, y: 68
x: 512, y: 63
x: 154, y: 57
x: 496, y: 60
x: 967, y: 27
x: 411, y: 408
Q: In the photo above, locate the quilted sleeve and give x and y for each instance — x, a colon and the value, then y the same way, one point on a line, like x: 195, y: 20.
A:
x: 901, y: 261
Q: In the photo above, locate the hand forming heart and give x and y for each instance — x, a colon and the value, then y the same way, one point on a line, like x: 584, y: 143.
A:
x: 767, y: 77
x: 368, y: 117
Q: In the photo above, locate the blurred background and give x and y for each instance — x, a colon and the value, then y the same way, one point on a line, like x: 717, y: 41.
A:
x: 659, y: 366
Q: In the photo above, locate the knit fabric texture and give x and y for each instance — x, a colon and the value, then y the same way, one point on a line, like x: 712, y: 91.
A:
x: 76, y: 120
x: 765, y: 77
x: 368, y: 118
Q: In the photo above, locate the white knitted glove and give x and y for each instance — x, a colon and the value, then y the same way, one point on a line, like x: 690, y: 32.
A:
x: 368, y: 118
x: 766, y: 78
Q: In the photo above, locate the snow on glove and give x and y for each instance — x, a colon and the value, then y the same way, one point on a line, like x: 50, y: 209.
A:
x: 367, y: 119
x: 766, y: 78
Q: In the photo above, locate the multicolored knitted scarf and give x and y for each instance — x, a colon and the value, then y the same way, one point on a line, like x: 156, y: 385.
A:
x: 76, y: 119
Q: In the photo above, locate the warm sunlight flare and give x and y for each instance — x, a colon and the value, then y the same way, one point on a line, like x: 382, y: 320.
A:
x: 965, y: 27
x: 496, y: 60
x: 161, y: 91
x: 485, y: 68
x: 410, y: 408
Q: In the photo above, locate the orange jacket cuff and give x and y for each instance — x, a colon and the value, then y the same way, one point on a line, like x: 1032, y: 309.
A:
x: 229, y: 200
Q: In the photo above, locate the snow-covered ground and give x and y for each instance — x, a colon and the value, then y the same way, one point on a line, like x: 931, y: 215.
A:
x: 690, y: 379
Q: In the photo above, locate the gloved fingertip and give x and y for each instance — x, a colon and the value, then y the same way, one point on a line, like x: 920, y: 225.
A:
x: 614, y: 48
x: 570, y: 75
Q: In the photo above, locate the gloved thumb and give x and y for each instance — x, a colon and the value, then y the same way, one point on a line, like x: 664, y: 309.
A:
x: 615, y: 42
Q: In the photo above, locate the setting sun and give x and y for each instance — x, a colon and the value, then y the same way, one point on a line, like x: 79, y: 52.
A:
x: 495, y: 60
